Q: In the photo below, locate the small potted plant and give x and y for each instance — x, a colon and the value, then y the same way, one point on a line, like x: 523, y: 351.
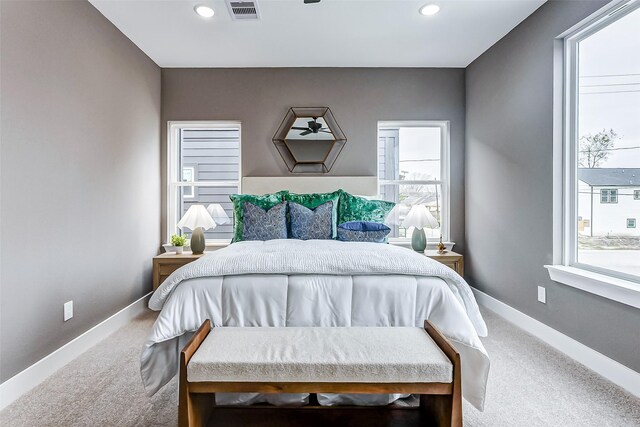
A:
x: 178, y: 243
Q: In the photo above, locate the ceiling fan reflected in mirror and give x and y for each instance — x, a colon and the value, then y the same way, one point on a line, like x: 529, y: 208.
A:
x: 309, y: 139
x: 312, y: 127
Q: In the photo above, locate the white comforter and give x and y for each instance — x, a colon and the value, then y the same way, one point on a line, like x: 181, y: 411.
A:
x: 314, y: 283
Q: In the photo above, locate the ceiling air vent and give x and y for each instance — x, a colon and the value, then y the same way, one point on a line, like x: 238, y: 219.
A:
x: 243, y: 10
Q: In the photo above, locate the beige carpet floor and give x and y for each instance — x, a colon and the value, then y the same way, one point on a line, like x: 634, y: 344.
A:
x: 530, y: 384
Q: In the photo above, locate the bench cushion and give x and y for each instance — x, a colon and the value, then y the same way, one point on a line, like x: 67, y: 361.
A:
x: 306, y: 354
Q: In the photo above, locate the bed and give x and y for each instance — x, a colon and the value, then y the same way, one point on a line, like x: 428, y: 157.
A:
x: 314, y: 283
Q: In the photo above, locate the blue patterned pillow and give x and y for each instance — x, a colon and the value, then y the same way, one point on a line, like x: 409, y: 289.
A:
x: 362, y: 231
x: 261, y: 224
x: 311, y: 223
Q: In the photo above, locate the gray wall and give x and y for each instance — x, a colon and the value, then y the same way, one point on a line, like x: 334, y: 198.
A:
x: 509, y: 185
x: 358, y: 97
x: 80, y: 174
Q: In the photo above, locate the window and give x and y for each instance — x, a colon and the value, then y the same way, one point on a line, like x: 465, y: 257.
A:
x: 608, y: 196
x: 636, y: 195
x: 413, y: 168
x: 188, y: 174
x: 602, y: 145
x: 203, y: 168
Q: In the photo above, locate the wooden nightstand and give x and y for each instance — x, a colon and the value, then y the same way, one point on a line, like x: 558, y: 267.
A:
x: 450, y: 259
x: 167, y: 263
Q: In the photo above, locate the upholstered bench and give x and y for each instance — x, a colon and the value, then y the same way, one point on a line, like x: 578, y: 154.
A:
x: 321, y: 360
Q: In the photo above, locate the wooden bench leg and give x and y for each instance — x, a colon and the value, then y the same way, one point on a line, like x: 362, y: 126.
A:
x: 194, y: 408
x: 446, y: 409
x: 442, y: 409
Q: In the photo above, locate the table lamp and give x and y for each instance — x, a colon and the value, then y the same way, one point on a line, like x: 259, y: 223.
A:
x: 420, y: 218
x: 218, y: 214
x: 197, y: 219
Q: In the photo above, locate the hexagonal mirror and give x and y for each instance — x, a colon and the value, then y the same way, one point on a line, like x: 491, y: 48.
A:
x: 309, y: 140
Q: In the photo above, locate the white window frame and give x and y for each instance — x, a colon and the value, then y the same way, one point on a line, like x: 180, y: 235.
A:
x: 174, y: 181
x: 615, y: 285
x: 445, y: 139
x: 631, y: 221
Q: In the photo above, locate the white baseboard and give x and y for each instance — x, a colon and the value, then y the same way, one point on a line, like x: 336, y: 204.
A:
x: 614, y: 371
x: 24, y: 381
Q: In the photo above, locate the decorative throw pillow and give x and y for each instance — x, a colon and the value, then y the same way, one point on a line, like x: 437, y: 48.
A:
x: 264, y: 224
x: 354, y: 208
x: 311, y: 223
x: 265, y: 202
x: 362, y: 231
x: 314, y: 200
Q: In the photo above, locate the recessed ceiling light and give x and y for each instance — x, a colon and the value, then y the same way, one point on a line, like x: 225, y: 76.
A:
x: 204, y: 11
x: 429, y: 9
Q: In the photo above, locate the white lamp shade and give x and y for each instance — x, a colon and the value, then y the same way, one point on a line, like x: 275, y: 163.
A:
x: 197, y: 216
x: 419, y: 217
x: 218, y: 214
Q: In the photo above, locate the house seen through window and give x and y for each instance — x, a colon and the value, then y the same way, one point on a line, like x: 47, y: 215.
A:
x: 604, y: 87
x: 413, y: 169
x: 204, y: 168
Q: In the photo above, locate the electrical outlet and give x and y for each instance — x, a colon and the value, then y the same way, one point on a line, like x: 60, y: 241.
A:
x: 542, y: 294
x: 68, y: 310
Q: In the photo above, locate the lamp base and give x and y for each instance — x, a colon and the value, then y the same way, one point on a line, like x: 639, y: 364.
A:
x: 197, y: 241
x: 418, y: 240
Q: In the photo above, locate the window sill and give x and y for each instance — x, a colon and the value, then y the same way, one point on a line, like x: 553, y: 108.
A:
x: 620, y: 290
x: 431, y: 245
x: 209, y: 245
x: 218, y: 243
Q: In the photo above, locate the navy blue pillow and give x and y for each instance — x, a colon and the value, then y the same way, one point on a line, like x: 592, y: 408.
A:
x: 311, y: 223
x: 363, y: 231
x: 261, y: 224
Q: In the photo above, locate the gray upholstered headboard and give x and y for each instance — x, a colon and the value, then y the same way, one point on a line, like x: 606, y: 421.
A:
x: 360, y: 185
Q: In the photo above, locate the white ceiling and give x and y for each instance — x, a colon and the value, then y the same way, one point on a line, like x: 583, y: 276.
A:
x: 332, y: 33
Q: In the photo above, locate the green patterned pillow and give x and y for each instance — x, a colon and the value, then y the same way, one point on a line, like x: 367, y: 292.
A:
x: 265, y: 202
x: 314, y: 200
x: 354, y: 208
